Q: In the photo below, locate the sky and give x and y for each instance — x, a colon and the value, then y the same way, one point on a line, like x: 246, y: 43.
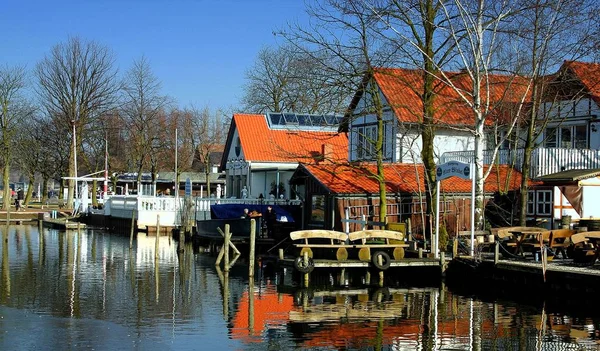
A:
x: 199, y: 49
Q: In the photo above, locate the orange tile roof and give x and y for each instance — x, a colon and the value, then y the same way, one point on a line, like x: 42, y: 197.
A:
x: 402, y: 178
x: 262, y: 144
x: 588, y: 74
x: 402, y: 89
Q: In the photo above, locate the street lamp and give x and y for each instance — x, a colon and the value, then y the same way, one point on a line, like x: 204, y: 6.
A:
x: 75, y: 156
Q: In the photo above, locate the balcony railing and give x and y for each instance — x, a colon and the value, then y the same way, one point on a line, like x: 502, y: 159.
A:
x: 544, y: 161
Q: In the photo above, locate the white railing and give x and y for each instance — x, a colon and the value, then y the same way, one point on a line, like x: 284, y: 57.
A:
x: 544, y: 161
x: 170, y: 209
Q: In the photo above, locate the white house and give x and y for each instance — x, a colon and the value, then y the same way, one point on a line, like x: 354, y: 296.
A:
x: 263, y: 151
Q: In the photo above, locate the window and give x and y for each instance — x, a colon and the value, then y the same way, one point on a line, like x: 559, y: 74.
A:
x: 539, y: 202
x: 367, y: 137
x: 568, y: 137
x: 318, y: 208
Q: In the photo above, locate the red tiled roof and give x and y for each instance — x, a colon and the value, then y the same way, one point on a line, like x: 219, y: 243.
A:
x: 588, y: 74
x: 403, y: 178
x: 260, y: 143
x: 403, y: 88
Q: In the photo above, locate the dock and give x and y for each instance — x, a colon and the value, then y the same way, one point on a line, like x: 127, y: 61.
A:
x: 63, y: 223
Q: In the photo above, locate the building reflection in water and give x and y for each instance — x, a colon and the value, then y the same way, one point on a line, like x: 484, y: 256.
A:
x: 92, y: 275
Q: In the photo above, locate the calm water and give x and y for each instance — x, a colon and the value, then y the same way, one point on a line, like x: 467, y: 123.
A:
x: 63, y: 290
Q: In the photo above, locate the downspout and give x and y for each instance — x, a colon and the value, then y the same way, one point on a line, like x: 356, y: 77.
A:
x: 248, y: 178
x: 332, y: 209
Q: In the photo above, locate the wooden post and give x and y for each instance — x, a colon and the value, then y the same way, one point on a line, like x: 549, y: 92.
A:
x: 157, y: 236
x: 496, y: 252
x: 252, y: 252
x: 226, y: 247
x: 420, y: 252
x: 280, y: 254
x: 132, y: 229
x: 455, y: 247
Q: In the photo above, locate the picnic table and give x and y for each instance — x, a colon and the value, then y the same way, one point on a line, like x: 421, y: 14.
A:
x: 516, y: 239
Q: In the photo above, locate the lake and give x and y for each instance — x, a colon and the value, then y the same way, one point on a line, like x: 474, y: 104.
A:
x: 67, y: 290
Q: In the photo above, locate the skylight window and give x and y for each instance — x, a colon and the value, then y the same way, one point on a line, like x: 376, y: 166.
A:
x: 303, y: 121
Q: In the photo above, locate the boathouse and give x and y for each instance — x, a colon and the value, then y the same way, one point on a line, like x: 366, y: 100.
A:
x: 334, y: 192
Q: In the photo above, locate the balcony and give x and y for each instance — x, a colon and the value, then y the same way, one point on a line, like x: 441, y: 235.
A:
x: 544, y: 161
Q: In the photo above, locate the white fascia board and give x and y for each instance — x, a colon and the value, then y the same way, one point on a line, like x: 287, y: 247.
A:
x: 256, y: 166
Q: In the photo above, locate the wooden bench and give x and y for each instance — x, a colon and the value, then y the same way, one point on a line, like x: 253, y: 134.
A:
x: 321, y: 239
x: 512, y: 238
x: 365, y: 240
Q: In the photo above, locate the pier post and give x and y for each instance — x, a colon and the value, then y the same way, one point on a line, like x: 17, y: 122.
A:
x: 420, y: 252
x: 157, y: 236
x: 496, y: 252
x: 252, y: 247
x: 280, y: 254
x: 226, y: 247
x: 455, y: 247
x: 131, y: 231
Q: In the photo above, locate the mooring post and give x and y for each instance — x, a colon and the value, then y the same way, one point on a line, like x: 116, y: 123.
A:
x: 157, y: 235
x: 131, y: 230
x: 280, y: 254
x: 420, y: 252
x: 455, y: 247
x: 226, y: 247
x: 252, y: 248
x: 496, y: 252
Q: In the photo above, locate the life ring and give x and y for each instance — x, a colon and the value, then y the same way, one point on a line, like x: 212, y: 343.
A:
x: 385, y: 260
x: 302, y: 267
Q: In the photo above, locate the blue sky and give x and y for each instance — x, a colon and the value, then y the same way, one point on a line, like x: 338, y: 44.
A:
x: 199, y: 49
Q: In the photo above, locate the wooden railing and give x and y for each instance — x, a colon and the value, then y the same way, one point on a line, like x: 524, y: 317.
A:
x: 544, y: 161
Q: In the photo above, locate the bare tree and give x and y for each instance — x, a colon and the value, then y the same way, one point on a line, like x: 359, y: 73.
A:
x: 76, y: 84
x: 287, y: 79
x: 345, y: 33
x: 14, y: 109
x: 546, y: 33
x: 142, y: 108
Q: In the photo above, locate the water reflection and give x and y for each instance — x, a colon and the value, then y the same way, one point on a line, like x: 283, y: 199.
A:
x: 88, y: 289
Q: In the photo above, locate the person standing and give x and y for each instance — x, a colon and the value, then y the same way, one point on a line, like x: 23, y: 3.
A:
x: 20, y: 197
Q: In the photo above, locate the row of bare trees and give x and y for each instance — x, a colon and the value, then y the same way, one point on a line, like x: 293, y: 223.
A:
x: 524, y: 41
x: 82, y: 112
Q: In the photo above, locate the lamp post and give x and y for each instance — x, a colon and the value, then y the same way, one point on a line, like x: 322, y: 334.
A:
x: 75, y: 156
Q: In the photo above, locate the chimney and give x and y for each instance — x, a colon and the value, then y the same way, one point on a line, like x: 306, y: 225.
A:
x: 326, y: 153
